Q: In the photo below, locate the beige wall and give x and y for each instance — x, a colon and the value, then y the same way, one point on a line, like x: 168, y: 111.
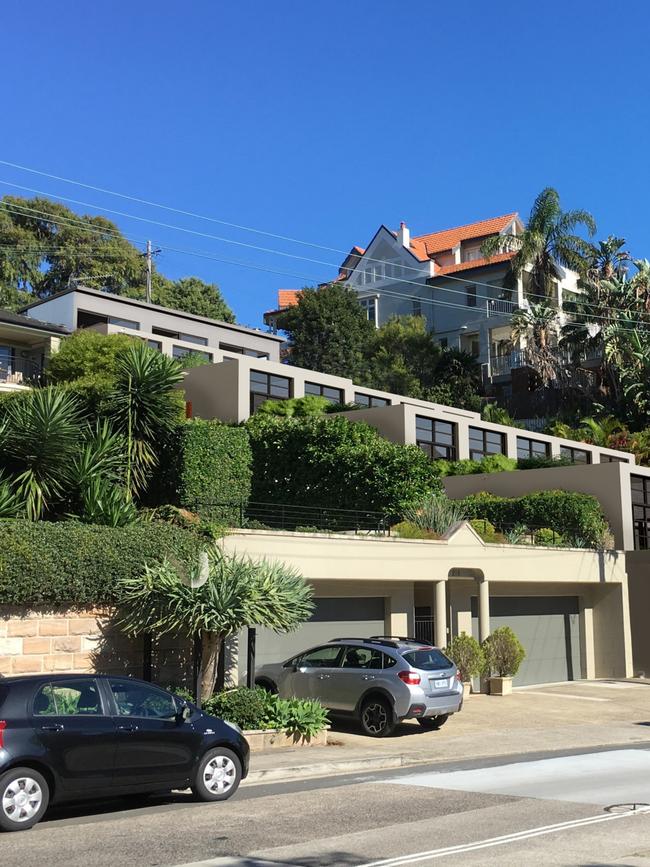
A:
x: 638, y: 572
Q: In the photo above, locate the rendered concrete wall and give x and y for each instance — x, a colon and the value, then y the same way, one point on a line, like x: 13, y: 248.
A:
x: 638, y: 576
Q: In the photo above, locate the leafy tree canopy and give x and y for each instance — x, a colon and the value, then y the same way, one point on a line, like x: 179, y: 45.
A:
x: 88, y: 353
x: 328, y: 331
x: 44, y: 245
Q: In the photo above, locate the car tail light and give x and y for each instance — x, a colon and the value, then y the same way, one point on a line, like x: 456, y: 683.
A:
x: 457, y: 674
x: 3, y: 726
x: 411, y: 677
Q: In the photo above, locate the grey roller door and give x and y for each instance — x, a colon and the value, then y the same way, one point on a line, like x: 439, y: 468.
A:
x: 341, y: 617
x: 549, y: 629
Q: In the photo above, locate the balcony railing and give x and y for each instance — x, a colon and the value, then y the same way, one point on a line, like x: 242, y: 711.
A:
x: 499, y: 307
x: 501, y: 365
x: 19, y: 371
x: 287, y: 516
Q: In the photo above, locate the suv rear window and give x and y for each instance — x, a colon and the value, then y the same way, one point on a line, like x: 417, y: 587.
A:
x: 428, y: 659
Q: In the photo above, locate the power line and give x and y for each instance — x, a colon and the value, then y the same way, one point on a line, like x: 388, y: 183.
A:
x: 419, y: 285
x: 374, y: 290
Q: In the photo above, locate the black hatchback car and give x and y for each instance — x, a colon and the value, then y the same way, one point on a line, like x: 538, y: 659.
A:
x: 71, y: 737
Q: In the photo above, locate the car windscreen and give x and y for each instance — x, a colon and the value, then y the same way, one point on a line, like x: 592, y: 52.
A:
x: 428, y: 659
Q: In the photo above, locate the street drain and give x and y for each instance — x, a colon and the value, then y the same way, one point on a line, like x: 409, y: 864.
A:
x: 627, y: 808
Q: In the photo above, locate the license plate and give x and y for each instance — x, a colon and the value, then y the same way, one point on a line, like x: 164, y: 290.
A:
x: 440, y: 684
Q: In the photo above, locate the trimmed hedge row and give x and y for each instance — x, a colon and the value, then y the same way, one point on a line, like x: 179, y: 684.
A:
x: 45, y: 563
x: 332, y: 462
x: 207, y: 462
x: 571, y: 514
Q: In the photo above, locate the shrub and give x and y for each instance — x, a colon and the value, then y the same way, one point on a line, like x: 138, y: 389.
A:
x: 207, y: 465
x: 467, y: 467
x: 504, y: 653
x: 409, y: 530
x: 242, y: 706
x: 487, y: 531
x: 331, y: 462
x: 497, y: 464
x: 542, y: 463
x: 562, y: 511
x: 87, y: 353
x: 548, y: 537
x: 258, y: 709
x: 468, y: 655
x: 435, y: 513
x: 66, y: 563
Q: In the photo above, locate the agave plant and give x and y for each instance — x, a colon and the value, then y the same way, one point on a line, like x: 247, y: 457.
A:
x: 436, y: 513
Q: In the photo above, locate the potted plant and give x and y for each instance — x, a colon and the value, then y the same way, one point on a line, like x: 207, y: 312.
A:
x: 504, y: 653
x: 468, y: 655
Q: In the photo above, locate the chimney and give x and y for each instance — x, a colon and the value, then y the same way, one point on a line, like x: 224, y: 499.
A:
x: 404, y: 236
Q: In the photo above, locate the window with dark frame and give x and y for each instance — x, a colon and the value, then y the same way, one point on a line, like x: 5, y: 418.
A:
x: 529, y: 448
x: 576, y: 456
x: 184, y: 351
x: 436, y: 438
x: 613, y: 459
x: 334, y: 395
x: 485, y: 442
x: 641, y: 511
x: 370, y: 400
x: 268, y: 386
x: 470, y: 296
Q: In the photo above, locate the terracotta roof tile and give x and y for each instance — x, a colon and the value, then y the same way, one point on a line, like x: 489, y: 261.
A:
x: 436, y: 242
x: 287, y: 298
x: 476, y: 263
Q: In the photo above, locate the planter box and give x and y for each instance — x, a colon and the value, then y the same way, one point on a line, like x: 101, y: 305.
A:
x: 269, y: 739
x: 467, y: 689
x: 500, y: 685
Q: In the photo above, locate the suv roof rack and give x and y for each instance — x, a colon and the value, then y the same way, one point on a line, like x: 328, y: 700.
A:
x: 375, y: 639
x: 399, y: 638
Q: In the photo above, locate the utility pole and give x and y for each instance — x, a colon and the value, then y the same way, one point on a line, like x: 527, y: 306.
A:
x: 148, y: 272
x: 149, y: 259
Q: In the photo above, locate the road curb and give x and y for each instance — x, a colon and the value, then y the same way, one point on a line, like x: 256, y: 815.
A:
x: 325, y: 769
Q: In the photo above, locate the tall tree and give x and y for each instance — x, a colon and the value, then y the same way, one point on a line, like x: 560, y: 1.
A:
x: 328, y: 331
x: 44, y: 246
x: 548, y: 240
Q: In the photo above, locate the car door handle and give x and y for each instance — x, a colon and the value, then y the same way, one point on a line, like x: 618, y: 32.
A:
x: 367, y: 677
x: 324, y: 676
x: 130, y: 727
x: 54, y: 727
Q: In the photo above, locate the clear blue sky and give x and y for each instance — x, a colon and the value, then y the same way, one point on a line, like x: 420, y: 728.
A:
x: 321, y: 120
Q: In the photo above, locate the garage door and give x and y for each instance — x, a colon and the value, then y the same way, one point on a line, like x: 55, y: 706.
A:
x: 332, y: 618
x: 549, y: 629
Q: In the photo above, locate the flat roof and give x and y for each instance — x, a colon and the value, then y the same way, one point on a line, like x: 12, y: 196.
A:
x: 8, y: 317
x: 134, y: 302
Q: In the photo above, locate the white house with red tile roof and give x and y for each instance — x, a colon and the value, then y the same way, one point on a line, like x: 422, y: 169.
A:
x: 466, y: 299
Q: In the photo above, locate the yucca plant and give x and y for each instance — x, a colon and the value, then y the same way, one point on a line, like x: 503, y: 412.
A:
x: 10, y: 503
x: 143, y: 408
x: 41, y: 435
x: 103, y: 502
x: 213, y: 601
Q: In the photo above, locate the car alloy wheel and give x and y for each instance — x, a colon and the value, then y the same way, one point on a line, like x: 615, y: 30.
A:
x: 22, y: 799
x: 376, y: 718
x: 219, y: 775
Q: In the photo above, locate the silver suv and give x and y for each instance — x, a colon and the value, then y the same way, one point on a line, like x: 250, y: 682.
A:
x: 379, y: 681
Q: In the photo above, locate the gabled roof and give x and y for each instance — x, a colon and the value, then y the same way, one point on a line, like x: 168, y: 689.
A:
x: 475, y: 263
x: 287, y: 298
x: 436, y: 242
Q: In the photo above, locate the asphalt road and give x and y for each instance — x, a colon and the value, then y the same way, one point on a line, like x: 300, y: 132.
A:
x: 545, y: 809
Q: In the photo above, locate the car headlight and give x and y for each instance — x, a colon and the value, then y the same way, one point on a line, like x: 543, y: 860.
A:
x: 233, y: 726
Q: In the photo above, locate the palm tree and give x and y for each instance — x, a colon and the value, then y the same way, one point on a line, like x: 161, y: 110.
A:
x: 608, y: 259
x: 534, y: 328
x: 214, y: 600
x: 547, y: 241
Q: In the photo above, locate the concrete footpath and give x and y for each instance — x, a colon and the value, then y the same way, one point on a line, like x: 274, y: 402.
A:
x: 577, y: 715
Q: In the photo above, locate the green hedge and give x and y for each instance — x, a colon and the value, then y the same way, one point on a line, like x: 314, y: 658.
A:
x: 332, y: 462
x: 207, y: 462
x: 574, y: 515
x: 45, y: 563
